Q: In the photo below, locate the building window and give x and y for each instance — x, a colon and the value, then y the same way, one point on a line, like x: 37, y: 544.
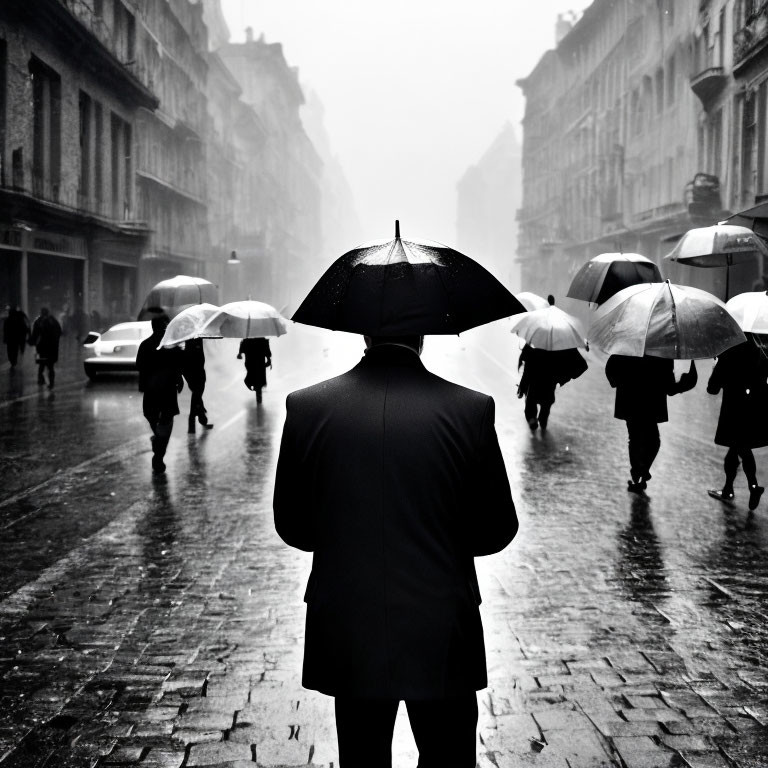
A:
x: 3, y: 118
x: 762, y: 155
x: 671, y: 81
x: 123, y: 32
x: 659, y: 91
x: 98, y: 155
x: 122, y: 168
x: 84, y: 182
x: 46, y: 131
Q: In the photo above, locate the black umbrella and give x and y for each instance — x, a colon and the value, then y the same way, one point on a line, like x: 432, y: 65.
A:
x: 604, y: 275
x: 405, y: 287
x: 754, y: 218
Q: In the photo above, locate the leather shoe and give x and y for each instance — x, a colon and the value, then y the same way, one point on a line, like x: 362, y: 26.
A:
x: 723, y: 496
x: 634, y: 487
x: 755, y: 492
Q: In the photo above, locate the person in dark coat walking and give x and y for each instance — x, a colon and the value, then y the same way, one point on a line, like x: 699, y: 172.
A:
x: 642, y: 387
x: 741, y: 373
x: 393, y: 478
x: 15, y: 334
x: 258, y: 357
x: 45, y: 336
x: 194, y: 374
x: 543, y: 370
x: 160, y: 380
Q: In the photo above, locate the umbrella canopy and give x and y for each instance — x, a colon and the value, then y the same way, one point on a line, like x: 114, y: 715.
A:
x: 246, y: 320
x: 177, y: 293
x: 604, y: 275
x: 664, y: 320
x: 750, y: 311
x: 190, y: 324
x: 550, y: 329
x: 405, y: 287
x: 531, y: 301
x: 755, y: 218
x: 718, y: 246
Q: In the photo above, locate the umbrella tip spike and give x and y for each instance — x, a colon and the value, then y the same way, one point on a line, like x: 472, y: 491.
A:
x: 397, y: 229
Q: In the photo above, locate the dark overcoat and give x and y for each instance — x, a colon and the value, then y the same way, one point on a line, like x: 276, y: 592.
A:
x: 394, y: 479
x: 194, y: 365
x: 642, y: 386
x: 741, y: 373
x: 159, y: 378
x: 45, y: 336
x: 544, y: 370
x: 257, y: 357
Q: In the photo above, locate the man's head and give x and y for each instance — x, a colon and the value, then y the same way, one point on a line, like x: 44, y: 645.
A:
x: 416, y: 343
x: 160, y: 323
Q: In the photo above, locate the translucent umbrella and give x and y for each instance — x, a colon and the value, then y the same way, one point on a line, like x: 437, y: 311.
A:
x: 178, y: 292
x: 531, y: 301
x: 246, y: 320
x: 405, y: 287
x: 601, y: 277
x: 550, y: 329
x: 664, y: 320
x: 750, y: 310
x: 190, y: 324
x: 721, y: 245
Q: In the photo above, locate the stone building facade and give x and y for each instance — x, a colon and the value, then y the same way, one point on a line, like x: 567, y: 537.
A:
x: 71, y: 237
x: 639, y: 126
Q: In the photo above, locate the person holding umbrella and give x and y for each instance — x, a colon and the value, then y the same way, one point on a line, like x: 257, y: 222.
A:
x: 194, y: 374
x: 553, y: 360
x: 160, y: 379
x: 258, y: 357
x: 393, y: 478
x: 645, y: 328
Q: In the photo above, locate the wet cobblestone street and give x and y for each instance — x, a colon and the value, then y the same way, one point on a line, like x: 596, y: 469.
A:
x: 159, y: 622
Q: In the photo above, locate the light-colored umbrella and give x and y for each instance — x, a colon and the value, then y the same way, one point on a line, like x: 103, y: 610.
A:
x: 190, y: 324
x: 750, y: 310
x: 246, y: 320
x: 605, y: 274
x: 664, y: 320
x: 177, y: 293
x: 721, y: 245
x: 550, y: 329
x: 531, y: 301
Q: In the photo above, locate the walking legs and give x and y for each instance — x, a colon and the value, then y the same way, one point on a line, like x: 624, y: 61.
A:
x: 644, y: 444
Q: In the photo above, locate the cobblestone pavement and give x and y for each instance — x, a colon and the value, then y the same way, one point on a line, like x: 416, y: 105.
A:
x: 160, y: 623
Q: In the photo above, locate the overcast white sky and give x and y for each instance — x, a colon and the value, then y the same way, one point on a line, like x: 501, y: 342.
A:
x: 414, y: 90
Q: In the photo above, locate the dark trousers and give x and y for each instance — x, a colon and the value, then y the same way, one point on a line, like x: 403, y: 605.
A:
x: 197, y: 408
x: 41, y: 366
x: 644, y: 444
x: 162, y: 426
x: 13, y: 352
x: 731, y: 465
x: 445, y: 731
x: 542, y: 416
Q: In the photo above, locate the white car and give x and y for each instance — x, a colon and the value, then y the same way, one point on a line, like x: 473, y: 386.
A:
x: 115, y: 349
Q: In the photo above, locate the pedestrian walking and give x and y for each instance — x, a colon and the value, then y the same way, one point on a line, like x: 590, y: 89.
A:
x: 45, y: 335
x: 15, y: 333
x: 194, y: 374
x: 741, y: 373
x: 642, y: 386
x: 394, y: 479
x: 543, y: 370
x: 258, y: 357
x: 160, y: 379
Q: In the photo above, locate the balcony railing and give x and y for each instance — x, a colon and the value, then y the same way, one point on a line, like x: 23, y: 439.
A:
x: 708, y: 83
x: 751, y: 38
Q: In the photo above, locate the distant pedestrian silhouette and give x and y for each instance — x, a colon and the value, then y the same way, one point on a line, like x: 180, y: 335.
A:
x: 194, y: 374
x: 258, y: 357
x: 642, y: 386
x: 741, y: 373
x: 46, y: 332
x: 160, y: 380
x: 15, y: 334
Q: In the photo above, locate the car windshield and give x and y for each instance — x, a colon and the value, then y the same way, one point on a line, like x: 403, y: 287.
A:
x: 122, y: 334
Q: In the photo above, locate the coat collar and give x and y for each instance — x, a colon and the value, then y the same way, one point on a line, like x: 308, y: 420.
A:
x: 392, y: 354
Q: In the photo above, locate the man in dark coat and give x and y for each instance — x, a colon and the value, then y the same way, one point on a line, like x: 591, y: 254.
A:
x: 642, y: 386
x: 258, y: 357
x: 394, y: 479
x: 15, y: 334
x: 741, y: 373
x: 543, y: 370
x: 160, y: 380
x: 45, y: 336
x: 194, y: 375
